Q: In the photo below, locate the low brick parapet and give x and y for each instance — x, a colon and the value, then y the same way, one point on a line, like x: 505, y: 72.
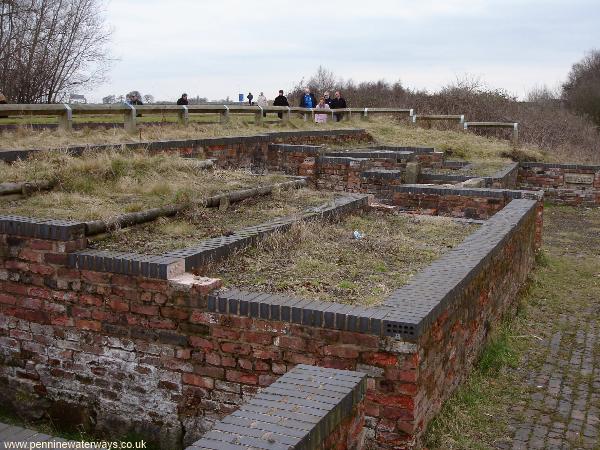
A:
x: 568, y: 184
x: 307, y: 408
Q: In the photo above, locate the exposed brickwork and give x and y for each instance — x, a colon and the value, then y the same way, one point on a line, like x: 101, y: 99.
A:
x: 230, y: 151
x: 341, y: 173
x: 463, y: 325
x: 503, y: 179
x: 145, y: 354
x: 307, y: 408
x: 463, y: 203
x: 381, y: 183
x: 566, y: 184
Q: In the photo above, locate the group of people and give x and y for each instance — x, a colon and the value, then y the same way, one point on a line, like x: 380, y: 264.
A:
x: 325, y: 102
x: 307, y: 100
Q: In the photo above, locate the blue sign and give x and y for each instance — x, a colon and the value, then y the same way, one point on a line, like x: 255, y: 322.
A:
x: 241, y: 98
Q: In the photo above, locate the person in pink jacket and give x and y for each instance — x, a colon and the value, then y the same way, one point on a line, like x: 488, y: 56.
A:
x: 321, y: 118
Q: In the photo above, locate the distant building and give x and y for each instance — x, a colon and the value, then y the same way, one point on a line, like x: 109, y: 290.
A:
x: 76, y: 98
x: 109, y: 99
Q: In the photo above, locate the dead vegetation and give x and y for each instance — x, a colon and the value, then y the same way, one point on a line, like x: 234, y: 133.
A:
x: 198, y: 223
x: 101, y: 185
x: 326, y: 261
x: 24, y: 137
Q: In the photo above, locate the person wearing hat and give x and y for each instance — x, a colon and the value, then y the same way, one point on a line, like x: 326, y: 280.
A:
x: 183, y: 100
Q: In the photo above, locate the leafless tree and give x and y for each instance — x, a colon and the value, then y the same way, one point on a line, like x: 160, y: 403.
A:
x: 582, y: 89
x: 51, y: 47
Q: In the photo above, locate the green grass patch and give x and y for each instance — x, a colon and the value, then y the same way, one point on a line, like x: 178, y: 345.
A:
x: 565, y: 282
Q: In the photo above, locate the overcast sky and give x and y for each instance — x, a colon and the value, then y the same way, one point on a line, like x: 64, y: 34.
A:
x: 219, y: 48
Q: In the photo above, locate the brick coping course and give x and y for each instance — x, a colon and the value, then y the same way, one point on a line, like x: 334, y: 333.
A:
x: 298, y: 411
x: 408, y: 311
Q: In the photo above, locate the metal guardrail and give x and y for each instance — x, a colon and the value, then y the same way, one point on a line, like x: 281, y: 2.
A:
x: 65, y: 112
x: 509, y: 125
x: 460, y: 118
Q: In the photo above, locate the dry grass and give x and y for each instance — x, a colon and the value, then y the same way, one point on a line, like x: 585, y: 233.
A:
x: 104, y: 184
x: 480, y: 168
x: 385, y: 130
x: 325, y: 261
x: 196, y: 224
x: 456, y: 144
x: 29, y: 138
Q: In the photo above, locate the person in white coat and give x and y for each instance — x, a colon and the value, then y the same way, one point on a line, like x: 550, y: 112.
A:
x: 262, y: 102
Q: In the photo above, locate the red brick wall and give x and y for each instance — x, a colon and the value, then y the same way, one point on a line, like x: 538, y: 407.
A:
x: 453, y: 342
x: 141, y: 354
x: 120, y: 353
x: 470, y: 207
x: 349, y: 435
x: 475, y: 206
x: 554, y: 180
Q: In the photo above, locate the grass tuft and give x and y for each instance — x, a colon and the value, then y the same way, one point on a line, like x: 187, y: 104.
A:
x: 325, y: 261
x: 100, y: 185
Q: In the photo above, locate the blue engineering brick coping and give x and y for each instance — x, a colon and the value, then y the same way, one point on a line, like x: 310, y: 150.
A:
x: 470, y: 192
x: 297, y: 412
x: 210, y: 250
x: 409, y: 310
x: 404, y: 314
x: 500, y: 176
x: 50, y: 229
x: 541, y: 165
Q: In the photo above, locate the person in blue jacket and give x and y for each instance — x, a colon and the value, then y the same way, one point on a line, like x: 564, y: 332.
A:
x: 308, y: 100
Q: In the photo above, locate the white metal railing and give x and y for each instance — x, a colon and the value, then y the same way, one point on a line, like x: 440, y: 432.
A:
x: 65, y: 113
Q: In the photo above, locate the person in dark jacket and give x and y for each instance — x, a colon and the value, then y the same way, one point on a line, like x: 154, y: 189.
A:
x: 281, y: 100
x: 135, y: 98
x: 308, y: 100
x: 338, y: 103
x: 3, y: 102
x: 250, y: 97
x: 328, y: 99
x: 183, y: 100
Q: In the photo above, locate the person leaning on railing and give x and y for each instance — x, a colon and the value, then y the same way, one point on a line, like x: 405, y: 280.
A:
x: 3, y: 102
x: 338, y: 103
x: 281, y: 100
x: 321, y: 118
x: 183, y: 100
